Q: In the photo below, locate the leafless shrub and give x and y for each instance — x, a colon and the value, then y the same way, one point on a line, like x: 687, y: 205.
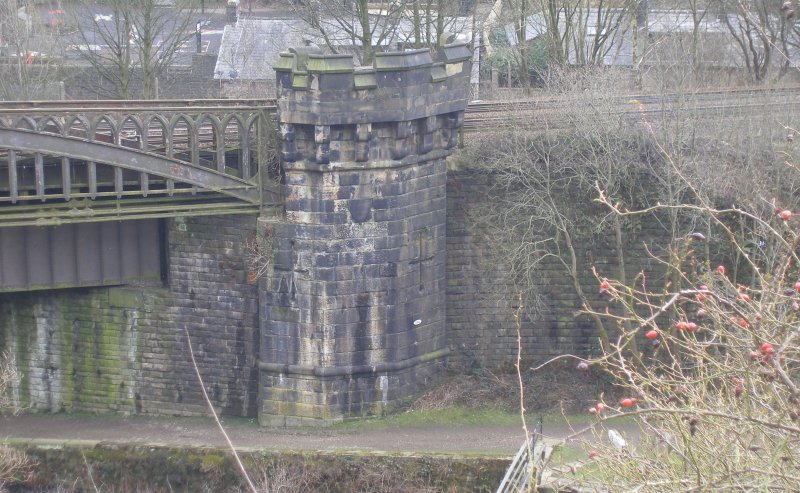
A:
x: 259, y: 251
x: 282, y: 479
x: 13, y: 462
x: 470, y: 391
x: 715, y: 377
x: 9, y: 376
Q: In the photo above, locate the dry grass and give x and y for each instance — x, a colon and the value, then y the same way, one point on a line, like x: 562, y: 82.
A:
x: 551, y: 390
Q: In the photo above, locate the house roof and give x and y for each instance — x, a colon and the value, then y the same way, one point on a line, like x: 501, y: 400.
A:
x: 660, y: 24
x: 250, y: 47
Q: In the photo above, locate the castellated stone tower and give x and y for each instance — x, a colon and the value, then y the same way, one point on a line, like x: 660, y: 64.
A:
x: 353, y: 309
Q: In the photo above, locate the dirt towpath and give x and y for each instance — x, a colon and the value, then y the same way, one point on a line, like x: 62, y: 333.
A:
x: 245, y: 434
x: 485, y: 439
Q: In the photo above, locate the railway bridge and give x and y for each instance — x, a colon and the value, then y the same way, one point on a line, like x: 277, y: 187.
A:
x: 185, y: 156
x: 297, y: 243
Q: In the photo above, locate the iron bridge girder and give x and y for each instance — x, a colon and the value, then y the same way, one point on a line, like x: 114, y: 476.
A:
x: 131, y: 159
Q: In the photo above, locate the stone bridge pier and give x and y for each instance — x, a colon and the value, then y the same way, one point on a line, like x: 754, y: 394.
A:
x: 352, y: 308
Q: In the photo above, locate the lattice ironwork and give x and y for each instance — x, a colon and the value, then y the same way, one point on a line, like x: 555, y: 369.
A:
x: 84, y: 161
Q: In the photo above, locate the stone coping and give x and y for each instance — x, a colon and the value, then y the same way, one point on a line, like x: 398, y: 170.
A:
x: 309, y: 63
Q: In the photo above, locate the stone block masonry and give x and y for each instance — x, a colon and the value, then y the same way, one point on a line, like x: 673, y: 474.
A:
x: 353, y: 309
x: 123, y: 349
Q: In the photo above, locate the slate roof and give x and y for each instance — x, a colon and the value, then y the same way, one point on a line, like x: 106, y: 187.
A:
x: 250, y: 47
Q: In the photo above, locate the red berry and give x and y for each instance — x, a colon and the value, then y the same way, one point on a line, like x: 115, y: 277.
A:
x: 785, y: 214
x: 651, y: 334
x: 738, y: 391
x: 767, y: 348
x: 592, y: 454
x: 699, y: 297
x: 691, y: 327
x: 797, y: 286
x: 703, y: 287
x: 680, y: 325
x: 721, y: 270
x: 753, y: 355
x: 600, y: 407
x: 744, y: 323
x: 604, y: 286
x: 744, y: 297
x: 627, y: 402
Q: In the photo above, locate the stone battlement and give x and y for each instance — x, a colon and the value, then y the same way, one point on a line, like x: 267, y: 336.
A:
x: 317, y: 89
x: 404, y: 106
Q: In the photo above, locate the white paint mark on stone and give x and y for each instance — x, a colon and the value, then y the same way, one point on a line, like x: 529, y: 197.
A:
x: 132, y: 374
x: 45, y: 361
x: 383, y: 381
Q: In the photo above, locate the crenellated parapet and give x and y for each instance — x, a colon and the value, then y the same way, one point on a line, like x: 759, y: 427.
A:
x: 353, y: 311
x: 406, y: 104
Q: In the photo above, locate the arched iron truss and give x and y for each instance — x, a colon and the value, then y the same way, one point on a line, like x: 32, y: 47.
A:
x: 84, y: 161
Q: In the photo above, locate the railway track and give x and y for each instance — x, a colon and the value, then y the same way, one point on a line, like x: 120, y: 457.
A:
x: 554, y: 112
x: 549, y: 111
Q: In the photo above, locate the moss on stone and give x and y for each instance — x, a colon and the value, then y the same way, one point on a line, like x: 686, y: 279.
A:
x: 146, y: 468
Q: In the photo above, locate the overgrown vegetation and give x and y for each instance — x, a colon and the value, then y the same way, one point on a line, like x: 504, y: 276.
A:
x: 14, y: 464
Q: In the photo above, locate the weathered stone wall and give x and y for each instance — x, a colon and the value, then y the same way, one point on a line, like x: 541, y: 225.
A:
x: 193, y: 81
x: 124, y: 348
x: 148, y: 468
x: 353, y: 313
x: 358, y: 286
x: 481, y: 302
